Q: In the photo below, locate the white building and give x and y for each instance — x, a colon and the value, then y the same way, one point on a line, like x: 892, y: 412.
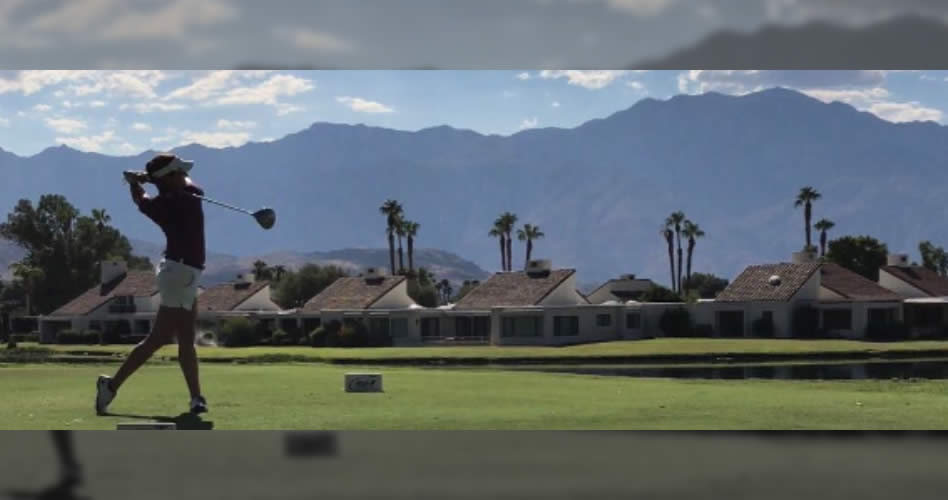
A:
x: 925, y: 292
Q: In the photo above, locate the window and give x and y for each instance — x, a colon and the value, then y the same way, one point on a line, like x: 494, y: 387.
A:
x: 603, y: 320
x: 399, y: 327
x: 767, y: 316
x: 522, y: 326
x: 95, y: 325
x: 462, y: 327
x: 881, y: 316
x: 430, y: 327
x: 565, y: 326
x: 633, y: 321
x: 482, y: 326
x: 310, y: 324
x: 837, y: 319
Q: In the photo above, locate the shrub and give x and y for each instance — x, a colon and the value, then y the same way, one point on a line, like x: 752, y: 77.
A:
x: 72, y: 337
x: 281, y: 337
x: 806, y: 322
x: 25, y: 337
x: 239, y: 332
x: 763, y: 327
x: 11, y: 342
x: 317, y: 338
x: 702, y: 330
x: 887, y: 332
x: 354, y: 334
x: 657, y: 293
x: 675, y: 322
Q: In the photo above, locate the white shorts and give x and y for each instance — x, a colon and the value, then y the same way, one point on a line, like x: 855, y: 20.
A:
x: 177, y: 284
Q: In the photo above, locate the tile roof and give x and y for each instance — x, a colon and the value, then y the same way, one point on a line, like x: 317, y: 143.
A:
x: 922, y: 278
x: 638, y: 285
x: 227, y: 296
x: 133, y: 283
x: 753, y: 284
x: 352, y: 293
x: 515, y: 289
x: 853, y: 286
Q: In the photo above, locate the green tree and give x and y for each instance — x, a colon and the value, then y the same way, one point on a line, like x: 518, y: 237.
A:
x: 400, y: 233
x: 392, y: 210
x: 658, y: 293
x: 805, y: 199
x: 466, y: 288
x: 677, y: 219
x: 297, y: 287
x: 707, y: 286
x: 424, y: 295
x: 411, y: 231
x: 28, y: 276
x: 278, y: 272
x: 529, y: 233
x: 669, y: 236
x: 507, y: 221
x: 261, y: 271
x: 498, y: 232
x: 933, y: 257
x: 823, y: 225
x: 67, y: 246
x: 863, y: 255
x: 444, y: 287
x: 691, y: 231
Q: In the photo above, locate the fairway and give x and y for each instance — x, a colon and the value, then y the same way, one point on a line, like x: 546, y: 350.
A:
x: 311, y: 396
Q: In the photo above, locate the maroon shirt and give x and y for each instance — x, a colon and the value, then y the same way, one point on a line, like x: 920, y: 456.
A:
x: 181, y: 217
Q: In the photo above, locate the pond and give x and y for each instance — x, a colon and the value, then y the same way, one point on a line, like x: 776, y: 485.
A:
x: 928, y: 369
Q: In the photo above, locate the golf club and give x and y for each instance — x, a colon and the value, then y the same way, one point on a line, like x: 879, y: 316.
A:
x: 266, y: 217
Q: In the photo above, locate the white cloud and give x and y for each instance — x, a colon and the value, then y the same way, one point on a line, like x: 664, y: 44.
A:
x: 93, y: 144
x: 137, y: 83
x: 285, y: 109
x: 126, y: 148
x: 523, y: 76
x: 215, y: 139
x: 65, y: 125
x: 363, y: 105
x: 636, y: 85
x: 4, y: 122
x: 97, y: 104
x: 645, y: 8
x: 528, y: 123
x: 151, y: 107
x: 42, y: 108
x: 308, y: 39
x: 214, y: 83
x: 592, y: 80
x: 162, y: 139
x: 267, y: 92
x: 556, y: 104
x: 235, y: 124
x: 905, y: 112
x: 141, y: 126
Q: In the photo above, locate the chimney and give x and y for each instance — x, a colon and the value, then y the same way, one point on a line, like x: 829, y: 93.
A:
x: 627, y: 277
x: 539, y: 268
x: 111, y: 269
x: 375, y: 274
x: 897, y: 259
x: 803, y: 257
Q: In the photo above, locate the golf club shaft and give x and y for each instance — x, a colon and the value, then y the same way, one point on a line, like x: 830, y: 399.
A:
x: 221, y: 204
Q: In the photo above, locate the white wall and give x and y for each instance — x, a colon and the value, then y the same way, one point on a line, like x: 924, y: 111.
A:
x: 396, y: 298
x: 810, y: 290
x: 564, y: 295
x: 827, y: 294
x: 260, y: 301
x: 898, y: 286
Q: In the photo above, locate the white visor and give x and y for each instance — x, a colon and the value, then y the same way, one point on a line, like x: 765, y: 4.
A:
x: 175, y: 164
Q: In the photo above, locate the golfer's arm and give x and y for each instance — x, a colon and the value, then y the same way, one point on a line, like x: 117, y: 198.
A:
x: 138, y: 194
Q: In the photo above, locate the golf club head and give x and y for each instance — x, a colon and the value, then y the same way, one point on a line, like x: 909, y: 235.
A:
x: 266, y: 217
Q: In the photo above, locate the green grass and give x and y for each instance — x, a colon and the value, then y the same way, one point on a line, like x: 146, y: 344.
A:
x: 634, y: 348
x: 310, y: 396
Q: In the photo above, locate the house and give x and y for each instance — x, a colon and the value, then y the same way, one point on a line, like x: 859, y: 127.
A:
x: 850, y: 302
x: 537, y: 306
x: 378, y: 300
x: 924, y: 290
x: 125, y: 300
x: 627, y: 287
x: 243, y: 297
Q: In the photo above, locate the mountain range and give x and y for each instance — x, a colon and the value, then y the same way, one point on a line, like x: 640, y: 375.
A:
x: 600, y: 191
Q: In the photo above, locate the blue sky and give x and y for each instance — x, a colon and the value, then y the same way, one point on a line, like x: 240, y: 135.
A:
x: 127, y: 112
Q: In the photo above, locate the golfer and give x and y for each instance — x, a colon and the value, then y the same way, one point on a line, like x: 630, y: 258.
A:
x: 181, y: 217
x: 70, y: 473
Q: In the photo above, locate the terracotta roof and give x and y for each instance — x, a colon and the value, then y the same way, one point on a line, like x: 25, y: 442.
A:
x: 352, y: 293
x: 227, y: 296
x: 134, y: 284
x: 852, y: 285
x: 753, y: 285
x: 515, y: 289
x: 645, y: 283
x: 922, y: 278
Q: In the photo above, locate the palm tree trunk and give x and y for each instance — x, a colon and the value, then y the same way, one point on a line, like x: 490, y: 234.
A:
x: 806, y: 219
x: 509, y: 253
x: 529, y: 253
x: 679, y: 268
x: 823, y: 244
x: 401, y: 259
x: 411, y: 252
x: 671, y: 262
x: 503, y: 253
x: 691, y: 252
x: 391, y: 251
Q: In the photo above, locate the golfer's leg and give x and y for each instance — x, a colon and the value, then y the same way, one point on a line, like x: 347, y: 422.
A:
x: 160, y: 335
x: 187, y: 354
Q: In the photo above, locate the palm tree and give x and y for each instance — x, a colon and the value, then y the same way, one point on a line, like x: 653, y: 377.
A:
x: 676, y: 219
x: 691, y: 231
x: 410, y: 228
x: 498, y: 232
x: 400, y: 233
x: 259, y: 270
x: 392, y: 211
x: 528, y: 234
x: 425, y: 277
x: 445, y: 287
x: 278, y: 272
x: 670, y: 239
x: 440, y: 288
x: 28, y: 275
x: 100, y: 218
x: 805, y: 198
x: 508, y: 220
x: 823, y: 225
